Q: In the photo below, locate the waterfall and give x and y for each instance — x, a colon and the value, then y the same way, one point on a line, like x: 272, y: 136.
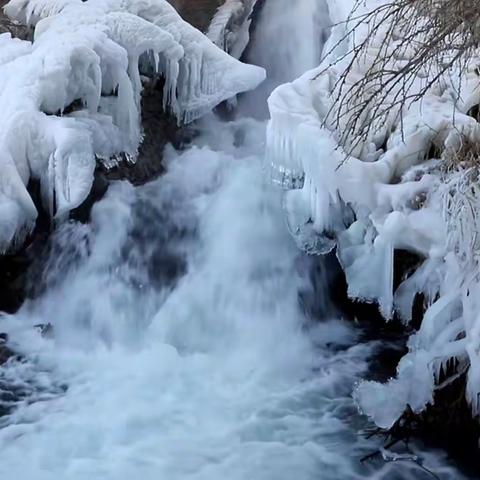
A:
x: 286, y: 42
x: 182, y: 346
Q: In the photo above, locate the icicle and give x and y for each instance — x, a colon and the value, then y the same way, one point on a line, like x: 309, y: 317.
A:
x: 170, y: 88
x: 126, y: 114
x: 297, y: 207
x: 283, y: 163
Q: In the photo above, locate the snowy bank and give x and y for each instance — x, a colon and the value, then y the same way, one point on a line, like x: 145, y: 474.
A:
x: 72, y: 96
x: 401, y: 186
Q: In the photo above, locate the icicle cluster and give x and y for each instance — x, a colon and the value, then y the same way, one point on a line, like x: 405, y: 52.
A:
x: 73, y: 95
x: 389, y: 194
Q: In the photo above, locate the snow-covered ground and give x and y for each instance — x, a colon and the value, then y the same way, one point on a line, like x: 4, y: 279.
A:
x: 387, y: 192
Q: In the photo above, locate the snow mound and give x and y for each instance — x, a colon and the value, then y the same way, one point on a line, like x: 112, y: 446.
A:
x: 72, y: 97
x: 384, y: 192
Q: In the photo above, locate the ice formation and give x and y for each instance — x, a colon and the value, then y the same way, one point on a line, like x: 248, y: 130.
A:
x: 230, y: 26
x: 384, y: 193
x: 72, y: 96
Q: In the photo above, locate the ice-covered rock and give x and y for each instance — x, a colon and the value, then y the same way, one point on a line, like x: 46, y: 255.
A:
x: 402, y: 195
x: 89, y: 55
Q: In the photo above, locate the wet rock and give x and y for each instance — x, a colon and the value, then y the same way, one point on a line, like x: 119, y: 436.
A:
x: 14, y: 28
x: 446, y: 424
x: 15, y: 264
x: 405, y: 263
x: 98, y: 190
x: 12, y: 281
x: 6, y: 353
x: 255, y: 17
x: 159, y: 128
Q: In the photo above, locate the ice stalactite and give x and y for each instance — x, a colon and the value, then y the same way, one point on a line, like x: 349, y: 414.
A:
x: 87, y: 54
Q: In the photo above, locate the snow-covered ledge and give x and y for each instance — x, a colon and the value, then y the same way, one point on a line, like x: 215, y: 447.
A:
x: 390, y: 194
x: 89, y: 54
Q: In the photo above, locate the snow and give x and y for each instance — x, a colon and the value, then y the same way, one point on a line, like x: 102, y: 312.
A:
x: 372, y: 196
x: 89, y: 53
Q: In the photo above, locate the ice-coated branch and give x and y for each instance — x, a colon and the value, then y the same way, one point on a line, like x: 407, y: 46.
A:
x: 398, y: 52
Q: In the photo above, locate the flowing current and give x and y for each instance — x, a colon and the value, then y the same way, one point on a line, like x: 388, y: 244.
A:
x: 180, y: 349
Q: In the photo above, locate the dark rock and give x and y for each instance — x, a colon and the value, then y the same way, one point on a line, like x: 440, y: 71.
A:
x: 475, y: 112
x: 6, y: 353
x: 12, y: 281
x: 8, y: 26
x: 159, y: 129
x: 198, y: 13
x: 14, y: 265
x: 255, y: 17
x: 446, y: 424
x: 98, y: 190
x: 404, y: 265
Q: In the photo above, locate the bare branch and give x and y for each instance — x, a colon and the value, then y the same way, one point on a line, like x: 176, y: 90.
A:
x: 401, y: 50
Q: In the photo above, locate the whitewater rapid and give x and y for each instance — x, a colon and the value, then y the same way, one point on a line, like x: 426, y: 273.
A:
x: 212, y: 371
x: 180, y: 347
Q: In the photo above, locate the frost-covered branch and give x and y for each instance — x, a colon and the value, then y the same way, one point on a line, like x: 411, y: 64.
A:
x: 399, y: 51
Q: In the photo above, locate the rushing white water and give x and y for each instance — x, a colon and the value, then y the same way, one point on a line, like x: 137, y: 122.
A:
x: 218, y: 375
x: 180, y: 347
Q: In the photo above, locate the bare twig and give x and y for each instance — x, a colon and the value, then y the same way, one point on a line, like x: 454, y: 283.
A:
x: 401, y: 50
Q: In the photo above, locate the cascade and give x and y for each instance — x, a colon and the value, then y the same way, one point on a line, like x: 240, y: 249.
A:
x: 179, y: 347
